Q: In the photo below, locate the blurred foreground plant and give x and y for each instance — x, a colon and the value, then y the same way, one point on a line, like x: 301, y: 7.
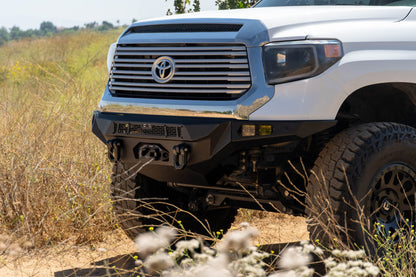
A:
x: 236, y: 256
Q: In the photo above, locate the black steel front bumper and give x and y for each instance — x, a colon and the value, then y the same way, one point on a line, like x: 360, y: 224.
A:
x: 188, y: 149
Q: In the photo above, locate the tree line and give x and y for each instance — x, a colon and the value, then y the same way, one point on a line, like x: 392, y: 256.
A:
x: 184, y: 6
x: 47, y: 28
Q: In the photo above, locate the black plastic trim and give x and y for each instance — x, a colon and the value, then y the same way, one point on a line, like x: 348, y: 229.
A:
x: 185, y: 28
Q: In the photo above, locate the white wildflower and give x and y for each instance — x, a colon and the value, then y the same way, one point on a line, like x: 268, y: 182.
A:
x: 210, y: 271
x: 250, y: 265
x: 303, y: 271
x: 340, y: 267
x: 372, y: 270
x: 290, y: 273
x: 306, y: 272
x: 293, y: 257
x: 354, y: 263
x: 220, y: 261
x: 149, y: 243
x: 187, y: 262
x: 158, y: 262
x: 336, y: 252
x: 318, y: 251
x: 203, y: 257
x: 138, y: 262
x: 356, y: 271
x: 330, y: 262
x: 353, y: 254
x: 208, y: 251
x: 308, y: 248
x: 183, y: 246
x: 173, y: 273
x: 238, y: 240
x: 190, y: 245
x: 215, y: 267
x: 167, y: 233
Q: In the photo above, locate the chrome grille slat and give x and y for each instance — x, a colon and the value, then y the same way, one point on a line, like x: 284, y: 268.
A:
x: 118, y: 65
x: 212, y: 66
x: 198, y: 78
x: 202, y: 71
x: 202, y: 78
x: 225, y: 61
x: 177, y: 85
x: 196, y: 91
x: 134, y: 60
x: 187, y: 53
x: 178, y: 61
x: 147, y: 77
x: 131, y: 72
x: 216, y: 73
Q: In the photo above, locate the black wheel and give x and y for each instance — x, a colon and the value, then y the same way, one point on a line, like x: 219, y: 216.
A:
x: 364, y: 177
x: 140, y: 202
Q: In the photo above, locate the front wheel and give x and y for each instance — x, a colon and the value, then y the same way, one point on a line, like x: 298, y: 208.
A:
x: 140, y: 202
x: 364, y: 177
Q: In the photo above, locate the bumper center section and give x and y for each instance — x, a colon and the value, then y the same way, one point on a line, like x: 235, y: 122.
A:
x: 189, y: 149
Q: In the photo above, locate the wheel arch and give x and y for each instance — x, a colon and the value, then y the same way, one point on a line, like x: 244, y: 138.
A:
x: 383, y: 102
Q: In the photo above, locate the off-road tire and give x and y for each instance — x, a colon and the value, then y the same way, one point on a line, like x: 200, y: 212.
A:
x: 344, y: 182
x: 140, y: 202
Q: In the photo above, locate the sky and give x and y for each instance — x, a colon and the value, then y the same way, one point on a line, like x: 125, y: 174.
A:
x: 28, y: 14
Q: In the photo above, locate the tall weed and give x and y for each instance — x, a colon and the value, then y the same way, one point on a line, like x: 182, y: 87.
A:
x: 54, y: 175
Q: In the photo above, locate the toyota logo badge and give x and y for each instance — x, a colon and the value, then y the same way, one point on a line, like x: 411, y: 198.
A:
x: 163, y: 69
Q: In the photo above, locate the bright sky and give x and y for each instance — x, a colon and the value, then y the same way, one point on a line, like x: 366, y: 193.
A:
x: 28, y: 14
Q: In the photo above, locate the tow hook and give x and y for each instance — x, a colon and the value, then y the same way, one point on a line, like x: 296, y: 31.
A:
x: 180, y: 156
x: 114, y: 147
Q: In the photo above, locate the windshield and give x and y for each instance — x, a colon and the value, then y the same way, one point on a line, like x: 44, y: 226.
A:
x: 275, y: 3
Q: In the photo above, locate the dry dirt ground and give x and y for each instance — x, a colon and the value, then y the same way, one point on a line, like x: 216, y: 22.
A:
x: 114, y: 257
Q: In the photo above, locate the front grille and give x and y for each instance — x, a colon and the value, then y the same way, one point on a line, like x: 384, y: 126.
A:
x: 202, y: 71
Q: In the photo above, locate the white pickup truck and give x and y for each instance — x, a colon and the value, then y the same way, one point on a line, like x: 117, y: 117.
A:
x: 213, y: 111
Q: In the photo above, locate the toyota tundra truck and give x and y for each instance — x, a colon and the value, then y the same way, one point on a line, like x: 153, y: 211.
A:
x: 276, y: 107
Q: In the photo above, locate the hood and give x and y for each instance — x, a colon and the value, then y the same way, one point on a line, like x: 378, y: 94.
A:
x: 282, y: 16
x: 265, y: 24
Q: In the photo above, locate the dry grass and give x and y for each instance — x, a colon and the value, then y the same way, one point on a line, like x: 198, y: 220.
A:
x: 274, y: 227
x: 54, y: 174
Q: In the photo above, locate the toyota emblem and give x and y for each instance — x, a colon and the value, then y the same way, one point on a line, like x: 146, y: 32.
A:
x: 163, y: 69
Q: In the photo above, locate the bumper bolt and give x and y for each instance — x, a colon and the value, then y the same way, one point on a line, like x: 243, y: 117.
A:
x: 210, y: 199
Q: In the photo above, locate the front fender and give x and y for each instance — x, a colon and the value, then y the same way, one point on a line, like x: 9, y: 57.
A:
x: 320, y: 98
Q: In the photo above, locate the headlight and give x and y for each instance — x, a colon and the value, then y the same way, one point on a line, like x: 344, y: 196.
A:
x: 290, y: 61
x: 110, y: 56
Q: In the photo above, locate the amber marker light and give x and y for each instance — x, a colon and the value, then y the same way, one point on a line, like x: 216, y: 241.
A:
x: 332, y: 51
x: 251, y: 130
x: 265, y: 130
